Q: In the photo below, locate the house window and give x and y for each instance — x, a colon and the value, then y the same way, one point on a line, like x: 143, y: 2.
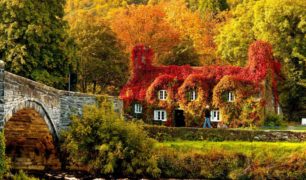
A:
x: 231, y: 96
x: 193, y: 95
x: 160, y: 115
x: 215, y: 116
x: 162, y: 95
x: 138, y: 108
x: 279, y: 109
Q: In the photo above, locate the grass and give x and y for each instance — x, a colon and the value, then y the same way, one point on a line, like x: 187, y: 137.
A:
x: 287, y: 128
x: 280, y: 149
x: 298, y: 128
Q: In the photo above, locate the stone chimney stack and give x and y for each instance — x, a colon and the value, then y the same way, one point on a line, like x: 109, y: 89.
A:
x: 142, y: 57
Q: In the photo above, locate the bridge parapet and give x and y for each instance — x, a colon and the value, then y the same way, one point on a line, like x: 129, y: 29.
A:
x: 55, y: 106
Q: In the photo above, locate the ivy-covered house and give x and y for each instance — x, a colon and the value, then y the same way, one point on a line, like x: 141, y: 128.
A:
x: 178, y: 95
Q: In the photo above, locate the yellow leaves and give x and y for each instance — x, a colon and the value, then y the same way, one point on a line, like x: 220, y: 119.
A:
x: 190, y: 25
x: 161, y: 24
x: 144, y: 25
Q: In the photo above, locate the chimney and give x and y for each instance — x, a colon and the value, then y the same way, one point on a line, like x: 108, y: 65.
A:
x: 142, y: 57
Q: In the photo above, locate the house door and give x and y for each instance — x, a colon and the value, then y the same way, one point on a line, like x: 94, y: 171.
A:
x: 179, y: 118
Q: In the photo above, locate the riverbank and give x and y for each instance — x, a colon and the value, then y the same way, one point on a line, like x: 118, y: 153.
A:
x: 232, y: 160
x: 227, y: 159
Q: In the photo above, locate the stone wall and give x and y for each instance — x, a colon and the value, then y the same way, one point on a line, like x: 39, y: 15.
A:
x: 162, y: 133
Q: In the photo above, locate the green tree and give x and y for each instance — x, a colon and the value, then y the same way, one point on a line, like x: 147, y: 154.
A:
x: 212, y: 6
x: 281, y: 23
x: 183, y: 54
x: 233, y: 3
x: 205, y: 7
x: 102, y: 65
x: 34, y: 42
x: 97, y: 7
x: 108, y: 145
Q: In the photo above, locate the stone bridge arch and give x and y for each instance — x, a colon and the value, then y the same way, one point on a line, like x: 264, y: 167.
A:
x: 31, y: 138
x: 39, y: 108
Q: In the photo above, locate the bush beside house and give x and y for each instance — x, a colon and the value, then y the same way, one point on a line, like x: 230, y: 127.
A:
x: 104, y: 144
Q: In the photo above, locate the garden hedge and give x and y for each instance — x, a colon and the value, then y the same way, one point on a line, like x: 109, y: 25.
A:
x: 162, y: 133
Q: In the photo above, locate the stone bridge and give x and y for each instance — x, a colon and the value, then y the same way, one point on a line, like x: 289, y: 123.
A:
x: 33, y: 114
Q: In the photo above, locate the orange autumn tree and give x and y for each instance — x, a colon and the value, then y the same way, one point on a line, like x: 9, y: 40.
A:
x: 191, y: 26
x: 144, y: 24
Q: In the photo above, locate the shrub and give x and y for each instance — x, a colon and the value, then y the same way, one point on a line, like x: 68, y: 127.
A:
x: 215, y: 161
x: 274, y: 167
x: 197, y: 164
x: 3, y: 160
x: 273, y: 120
x: 107, y: 145
x: 22, y: 176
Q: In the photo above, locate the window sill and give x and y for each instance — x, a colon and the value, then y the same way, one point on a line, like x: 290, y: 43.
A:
x: 160, y: 120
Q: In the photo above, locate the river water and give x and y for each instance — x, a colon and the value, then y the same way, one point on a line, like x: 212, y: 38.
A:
x: 63, y: 175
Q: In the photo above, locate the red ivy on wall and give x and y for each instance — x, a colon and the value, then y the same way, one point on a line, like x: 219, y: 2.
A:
x: 147, y: 79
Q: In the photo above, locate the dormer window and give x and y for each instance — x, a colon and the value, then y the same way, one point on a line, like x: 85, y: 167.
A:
x: 162, y: 95
x: 231, y: 96
x: 192, y: 95
x: 138, y: 108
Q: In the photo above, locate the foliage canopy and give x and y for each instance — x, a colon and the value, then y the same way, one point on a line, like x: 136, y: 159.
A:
x: 102, y: 64
x: 34, y: 42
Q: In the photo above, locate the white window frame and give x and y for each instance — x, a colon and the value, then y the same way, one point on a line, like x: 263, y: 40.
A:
x: 160, y: 115
x: 215, y: 116
x: 138, y: 108
x: 193, y: 95
x: 279, y: 109
x: 231, y: 96
x: 162, y: 95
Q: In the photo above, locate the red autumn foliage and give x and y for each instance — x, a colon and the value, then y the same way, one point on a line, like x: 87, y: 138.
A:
x: 261, y: 61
